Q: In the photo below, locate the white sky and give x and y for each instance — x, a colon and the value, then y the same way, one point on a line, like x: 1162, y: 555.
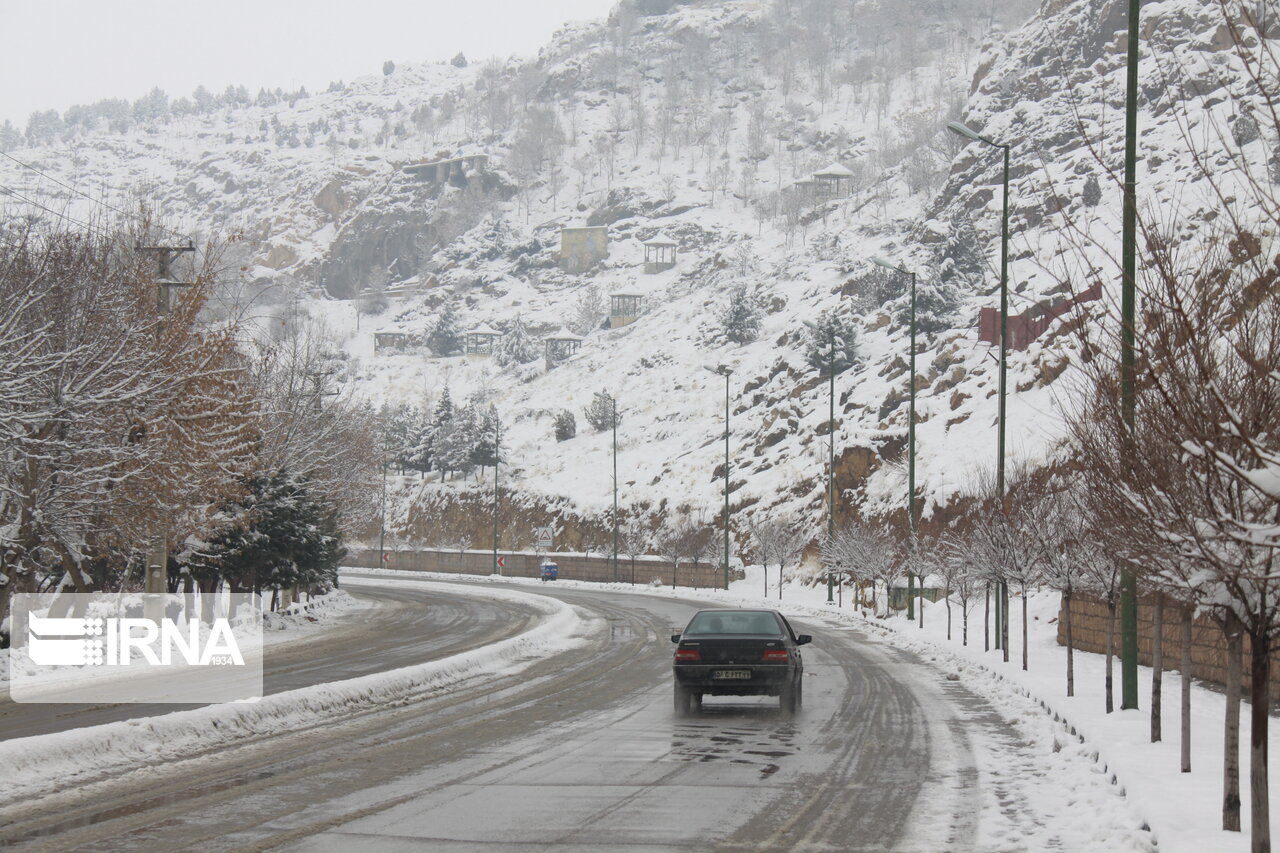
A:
x: 55, y: 53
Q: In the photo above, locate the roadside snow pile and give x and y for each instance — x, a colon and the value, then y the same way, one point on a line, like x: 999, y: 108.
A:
x: 309, y: 616
x: 46, y: 763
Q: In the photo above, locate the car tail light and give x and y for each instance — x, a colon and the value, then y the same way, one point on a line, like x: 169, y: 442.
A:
x: 775, y: 655
x: 687, y: 655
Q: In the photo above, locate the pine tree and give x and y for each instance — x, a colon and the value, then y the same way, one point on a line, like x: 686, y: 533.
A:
x: 740, y: 316
x: 455, y: 439
x: 1092, y: 193
x: 516, y: 346
x: 601, y: 414
x: 486, y: 452
x: 10, y: 136
x: 445, y: 337
x: 566, y: 425
x: 832, y: 343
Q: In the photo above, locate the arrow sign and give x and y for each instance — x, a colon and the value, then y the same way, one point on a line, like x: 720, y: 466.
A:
x: 502, y: 562
x: 386, y: 558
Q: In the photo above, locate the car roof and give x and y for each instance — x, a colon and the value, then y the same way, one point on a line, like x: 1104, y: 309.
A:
x: 739, y: 610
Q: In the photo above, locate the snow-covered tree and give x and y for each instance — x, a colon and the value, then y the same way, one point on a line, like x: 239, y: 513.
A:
x: 602, y: 414
x: 516, y: 346
x: 740, y: 316
x: 589, y: 312
x: 832, y: 343
x: 566, y: 425
x: 445, y: 336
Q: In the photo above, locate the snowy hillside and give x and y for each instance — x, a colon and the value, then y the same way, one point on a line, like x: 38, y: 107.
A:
x: 701, y: 123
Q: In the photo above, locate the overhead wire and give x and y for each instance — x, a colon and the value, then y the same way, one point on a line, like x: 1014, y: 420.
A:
x: 9, y: 191
x: 79, y: 192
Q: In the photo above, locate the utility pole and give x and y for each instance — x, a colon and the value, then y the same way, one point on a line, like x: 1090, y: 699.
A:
x: 496, y: 442
x: 614, y: 401
x: 831, y: 448
x: 724, y: 371
x: 156, y: 581
x: 1128, y: 298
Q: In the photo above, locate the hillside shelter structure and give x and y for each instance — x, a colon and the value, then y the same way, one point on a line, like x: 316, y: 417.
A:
x: 581, y: 248
x: 480, y: 341
x: 624, y: 308
x: 393, y: 340
x: 442, y: 171
x: 835, y: 181
x: 561, y: 346
x: 659, y: 253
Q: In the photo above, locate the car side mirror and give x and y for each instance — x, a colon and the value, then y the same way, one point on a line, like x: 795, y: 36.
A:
x: 803, y: 639
x: 675, y: 638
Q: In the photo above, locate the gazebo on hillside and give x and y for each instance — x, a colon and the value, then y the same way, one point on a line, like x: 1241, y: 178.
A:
x: 835, y: 181
x: 560, y: 346
x: 480, y: 341
x: 659, y: 253
x: 624, y: 308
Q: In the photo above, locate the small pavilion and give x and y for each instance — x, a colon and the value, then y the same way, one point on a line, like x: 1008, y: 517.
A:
x: 392, y: 340
x: 835, y: 181
x: 624, y: 308
x: 560, y: 346
x: 480, y: 341
x: 659, y: 253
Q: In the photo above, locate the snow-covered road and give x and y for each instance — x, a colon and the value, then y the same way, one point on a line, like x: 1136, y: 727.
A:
x: 399, y: 627
x: 577, y: 749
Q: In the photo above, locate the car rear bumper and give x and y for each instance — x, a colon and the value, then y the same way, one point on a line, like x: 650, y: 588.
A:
x: 764, y: 679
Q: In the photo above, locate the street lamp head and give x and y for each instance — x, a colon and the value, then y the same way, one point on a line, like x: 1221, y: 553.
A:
x: 884, y: 262
x: 961, y: 130
x: 718, y: 370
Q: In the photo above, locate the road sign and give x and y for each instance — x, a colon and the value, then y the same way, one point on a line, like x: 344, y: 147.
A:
x: 544, y: 536
x: 386, y: 558
x: 502, y: 562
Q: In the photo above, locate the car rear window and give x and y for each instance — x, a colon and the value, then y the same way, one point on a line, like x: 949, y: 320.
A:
x: 731, y: 622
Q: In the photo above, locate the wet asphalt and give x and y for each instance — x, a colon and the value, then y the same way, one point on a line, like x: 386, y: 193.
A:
x: 577, y: 752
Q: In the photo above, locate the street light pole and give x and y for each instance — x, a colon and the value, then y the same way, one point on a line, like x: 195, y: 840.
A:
x: 726, y: 373
x: 614, y: 401
x: 912, y: 515
x: 496, y: 445
x: 831, y: 447
x: 1002, y: 628
x: 1128, y: 584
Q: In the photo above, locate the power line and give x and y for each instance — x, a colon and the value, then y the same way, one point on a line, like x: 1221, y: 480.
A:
x: 78, y: 192
x: 12, y: 192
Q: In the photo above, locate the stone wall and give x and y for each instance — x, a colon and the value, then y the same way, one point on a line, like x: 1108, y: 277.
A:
x: 643, y: 570
x: 1208, y: 646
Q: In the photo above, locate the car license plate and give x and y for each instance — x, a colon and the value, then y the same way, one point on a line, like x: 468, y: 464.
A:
x: 731, y: 673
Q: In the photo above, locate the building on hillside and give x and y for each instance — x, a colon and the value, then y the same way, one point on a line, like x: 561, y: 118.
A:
x: 560, y: 346
x: 581, y: 248
x: 659, y: 253
x: 835, y: 181
x: 1032, y: 323
x: 449, y: 169
x: 480, y: 341
x: 624, y: 308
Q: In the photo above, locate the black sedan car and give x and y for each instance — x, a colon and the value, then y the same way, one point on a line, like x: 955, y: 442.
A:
x: 738, y: 653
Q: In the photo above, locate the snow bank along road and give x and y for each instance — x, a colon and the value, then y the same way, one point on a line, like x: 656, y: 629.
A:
x: 579, y: 751
x: 410, y: 624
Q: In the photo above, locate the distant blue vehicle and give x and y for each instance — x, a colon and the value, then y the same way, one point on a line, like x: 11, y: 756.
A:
x: 550, y: 571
